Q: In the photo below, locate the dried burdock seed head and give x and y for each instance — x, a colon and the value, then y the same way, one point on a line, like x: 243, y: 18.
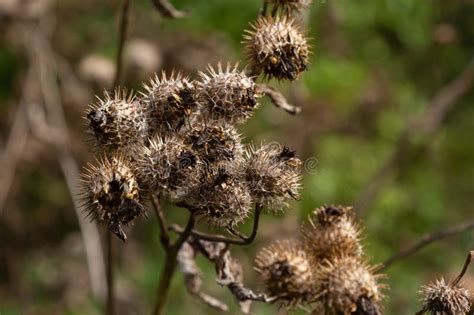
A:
x: 169, y: 167
x: 169, y: 102
x: 111, y: 194
x: 215, y: 143
x: 223, y: 199
x: 276, y: 48
x: 227, y: 94
x: 117, y: 122
x: 286, y: 272
x: 441, y: 298
x: 273, y: 175
x: 289, y: 5
x: 332, y: 233
x: 347, y: 286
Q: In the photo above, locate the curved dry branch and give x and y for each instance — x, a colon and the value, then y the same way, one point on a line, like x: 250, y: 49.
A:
x: 425, y: 241
x: 168, y: 10
x: 278, y: 99
x: 429, y: 123
x: 243, y: 240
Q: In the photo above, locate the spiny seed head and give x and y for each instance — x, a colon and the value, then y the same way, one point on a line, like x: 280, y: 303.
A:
x: 111, y: 194
x: 222, y: 199
x: 347, y: 286
x: 332, y: 233
x: 290, y: 5
x: 276, y: 48
x: 272, y: 173
x: 441, y: 298
x: 215, y: 143
x: 227, y: 94
x: 169, y: 167
x: 286, y: 272
x: 169, y: 102
x: 116, y: 121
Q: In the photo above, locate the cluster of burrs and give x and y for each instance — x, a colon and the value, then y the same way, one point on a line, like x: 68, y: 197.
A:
x: 178, y: 140
x: 447, y: 298
x: 323, y: 270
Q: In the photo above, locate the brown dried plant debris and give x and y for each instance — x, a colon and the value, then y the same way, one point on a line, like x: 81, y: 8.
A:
x: 111, y: 194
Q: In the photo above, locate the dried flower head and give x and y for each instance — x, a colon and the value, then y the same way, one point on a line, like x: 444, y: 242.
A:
x: 289, y: 5
x: 332, y: 233
x: 286, y: 272
x: 272, y: 173
x: 111, y: 194
x: 215, y: 143
x: 276, y: 48
x: 169, y: 167
x: 117, y: 122
x: 441, y: 298
x: 169, y: 102
x: 227, y: 94
x: 347, y: 286
x: 223, y: 199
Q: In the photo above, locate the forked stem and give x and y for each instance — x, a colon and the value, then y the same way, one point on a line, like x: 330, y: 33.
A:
x: 242, y: 240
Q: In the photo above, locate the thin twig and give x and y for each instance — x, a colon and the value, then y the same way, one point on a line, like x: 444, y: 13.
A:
x: 230, y: 273
x: 110, y: 273
x: 164, y: 236
x: 41, y: 57
x: 122, y: 38
x: 222, y: 239
x: 425, y: 241
x: 464, y: 269
x: 16, y: 143
x: 278, y: 99
x: 110, y: 244
x: 167, y: 10
x: 430, y: 122
x: 170, y: 267
x: 192, y: 276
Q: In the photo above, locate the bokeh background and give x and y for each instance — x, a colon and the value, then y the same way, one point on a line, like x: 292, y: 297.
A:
x: 375, y: 69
